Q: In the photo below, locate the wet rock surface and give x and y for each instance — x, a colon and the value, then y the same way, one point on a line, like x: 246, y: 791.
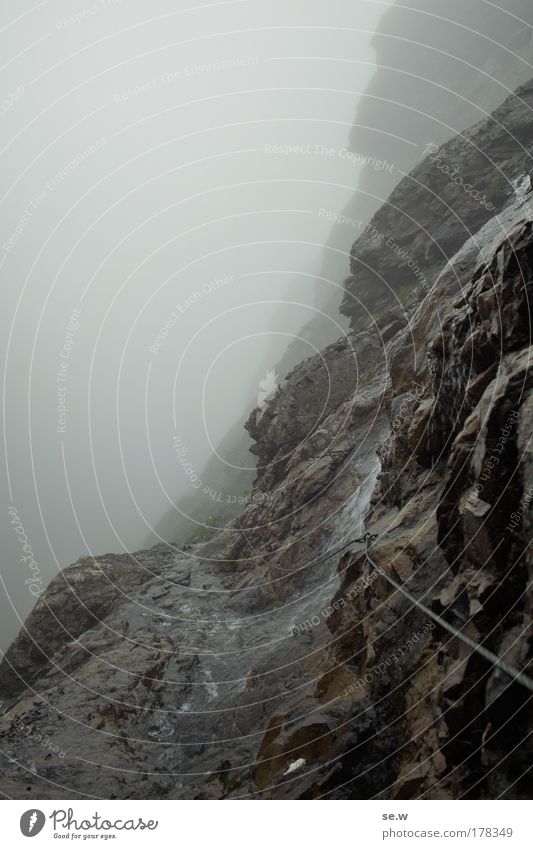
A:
x: 274, y: 661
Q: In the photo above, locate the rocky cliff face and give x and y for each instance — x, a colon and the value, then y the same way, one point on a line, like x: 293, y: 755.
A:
x: 483, y: 52
x: 442, y: 66
x: 269, y: 663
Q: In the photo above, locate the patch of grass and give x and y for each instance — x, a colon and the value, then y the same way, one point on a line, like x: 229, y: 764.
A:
x: 202, y: 533
x: 404, y: 291
x: 430, y: 270
x: 202, y: 527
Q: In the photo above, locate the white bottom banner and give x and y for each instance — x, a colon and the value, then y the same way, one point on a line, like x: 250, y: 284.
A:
x: 233, y: 825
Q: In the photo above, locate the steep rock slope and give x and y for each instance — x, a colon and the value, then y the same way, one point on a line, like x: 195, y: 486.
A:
x: 443, y: 202
x: 274, y: 661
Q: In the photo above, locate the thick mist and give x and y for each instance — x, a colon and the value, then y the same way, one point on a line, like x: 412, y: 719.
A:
x: 169, y: 175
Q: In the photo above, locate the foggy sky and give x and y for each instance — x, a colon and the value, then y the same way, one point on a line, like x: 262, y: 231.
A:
x: 168, y: 173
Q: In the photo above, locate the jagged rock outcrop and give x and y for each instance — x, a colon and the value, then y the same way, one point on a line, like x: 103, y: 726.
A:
x: 274, y: 661
x: 75, y: 602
